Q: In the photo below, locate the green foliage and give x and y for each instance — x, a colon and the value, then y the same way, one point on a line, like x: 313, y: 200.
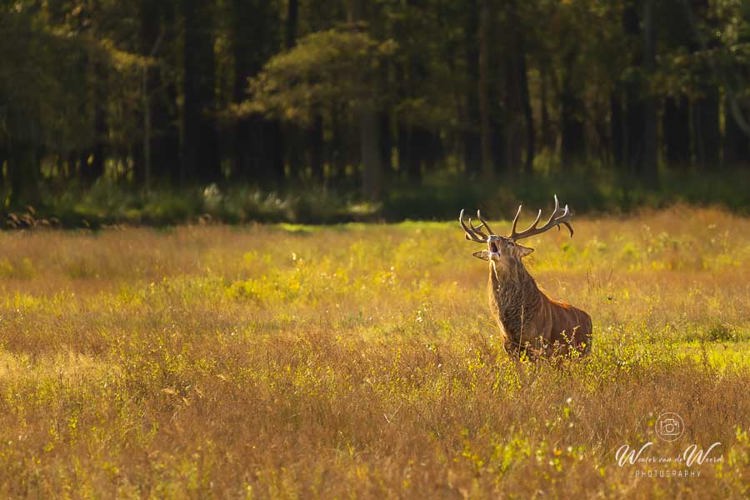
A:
x: 441, y: 196
x: 339, y: 67
x: 45, y: 86
x: 101, y: 90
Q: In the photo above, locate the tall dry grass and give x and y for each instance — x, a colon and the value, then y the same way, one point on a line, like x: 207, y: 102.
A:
x: 286, y: 361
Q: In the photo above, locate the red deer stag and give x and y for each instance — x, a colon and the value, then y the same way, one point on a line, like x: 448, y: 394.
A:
x: 533, y: 324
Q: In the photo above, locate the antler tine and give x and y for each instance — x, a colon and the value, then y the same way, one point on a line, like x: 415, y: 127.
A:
x: 477, y: 229
x: 515, y: 221
x: 536, y: 221
x: 472, y: 233
x: 513, y: 233
x: 566, y: 213
x: 484, y: 222
x: 555, y: 219
x: 554, y: 212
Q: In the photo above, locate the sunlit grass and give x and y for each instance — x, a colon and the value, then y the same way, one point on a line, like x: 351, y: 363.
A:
x: 297, y: 360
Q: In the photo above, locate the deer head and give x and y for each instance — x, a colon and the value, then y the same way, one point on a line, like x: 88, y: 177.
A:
x: 507, y: 247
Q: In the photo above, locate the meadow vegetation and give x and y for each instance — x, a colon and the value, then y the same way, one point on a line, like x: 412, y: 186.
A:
x: 590, y: 188
x: 292, y: 361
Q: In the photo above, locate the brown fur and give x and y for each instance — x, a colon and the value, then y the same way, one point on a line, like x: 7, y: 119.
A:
x: 532, y: 323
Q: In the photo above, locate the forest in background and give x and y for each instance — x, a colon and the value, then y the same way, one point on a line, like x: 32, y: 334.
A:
x: 369, y: 98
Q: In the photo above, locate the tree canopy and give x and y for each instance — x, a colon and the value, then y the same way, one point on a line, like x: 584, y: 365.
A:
x: 273, y: 93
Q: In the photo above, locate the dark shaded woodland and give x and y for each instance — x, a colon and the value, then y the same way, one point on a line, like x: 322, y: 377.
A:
x: 364, y: 94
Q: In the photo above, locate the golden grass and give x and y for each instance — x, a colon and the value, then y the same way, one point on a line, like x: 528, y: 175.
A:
x: 290, y: 361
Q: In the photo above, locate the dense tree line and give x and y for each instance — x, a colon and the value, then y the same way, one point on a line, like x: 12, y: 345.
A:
x: 273, y: 92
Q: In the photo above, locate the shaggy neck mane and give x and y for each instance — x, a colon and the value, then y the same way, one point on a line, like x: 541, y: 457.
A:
x: 516, y: 294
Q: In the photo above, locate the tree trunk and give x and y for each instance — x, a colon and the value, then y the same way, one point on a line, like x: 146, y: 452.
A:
x: 706, y: 134
x: 528, y: 116
x: 548, y: 138
x: 200, y: 144
x: 142, y: 168
x: 292, y: 19
x: 149, y: 39
x: 736, y: 142
x: 632, y: 106
x: 519, y: 126
x: 161, y: 148
x: 649, y: 170
x: 98, y: 152
x: 316, y: 147
x: 386, y: 142
x: 471, y: 138
x: 485, y: 132
x: 429, y: 148
x: 408, y: 162
x: 513, y: 140
x: 4, y: 158
x: 370, y: 146
x: 635, y: 116
x: 617, y: 125
x: 258, y: 142
x: 573, y: 145
x: 338, y: 146
x: 24, y: 173
x: 92, y: 164
x: 298, y: 141
x: 704, y: 110
x: 369, y: 128
x: 94, y: 66
x: 677, y: 131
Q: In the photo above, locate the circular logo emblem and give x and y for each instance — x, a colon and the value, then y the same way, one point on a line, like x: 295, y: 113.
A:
x: 669, y: 426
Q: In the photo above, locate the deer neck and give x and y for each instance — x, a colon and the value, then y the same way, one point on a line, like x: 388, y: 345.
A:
x: 515, y: 295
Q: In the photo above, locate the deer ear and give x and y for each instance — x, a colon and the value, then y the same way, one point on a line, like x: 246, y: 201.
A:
x: 484, y: 255
x: 523, y: 251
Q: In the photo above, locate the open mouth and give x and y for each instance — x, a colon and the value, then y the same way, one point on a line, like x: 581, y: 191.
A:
x: 493, y: 247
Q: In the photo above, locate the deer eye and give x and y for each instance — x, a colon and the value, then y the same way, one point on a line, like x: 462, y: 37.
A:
x: 511, y: 244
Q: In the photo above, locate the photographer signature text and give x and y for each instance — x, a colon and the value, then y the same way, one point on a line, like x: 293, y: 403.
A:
x: 691, y: 455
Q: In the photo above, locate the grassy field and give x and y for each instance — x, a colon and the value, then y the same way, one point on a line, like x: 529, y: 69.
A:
x: 295, y: 361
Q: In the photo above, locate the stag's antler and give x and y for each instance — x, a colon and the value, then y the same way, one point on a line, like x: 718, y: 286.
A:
x: 475, y: 233
x: 555, y: 219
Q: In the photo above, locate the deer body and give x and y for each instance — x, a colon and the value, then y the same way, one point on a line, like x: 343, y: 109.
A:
x: 532, y: 323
